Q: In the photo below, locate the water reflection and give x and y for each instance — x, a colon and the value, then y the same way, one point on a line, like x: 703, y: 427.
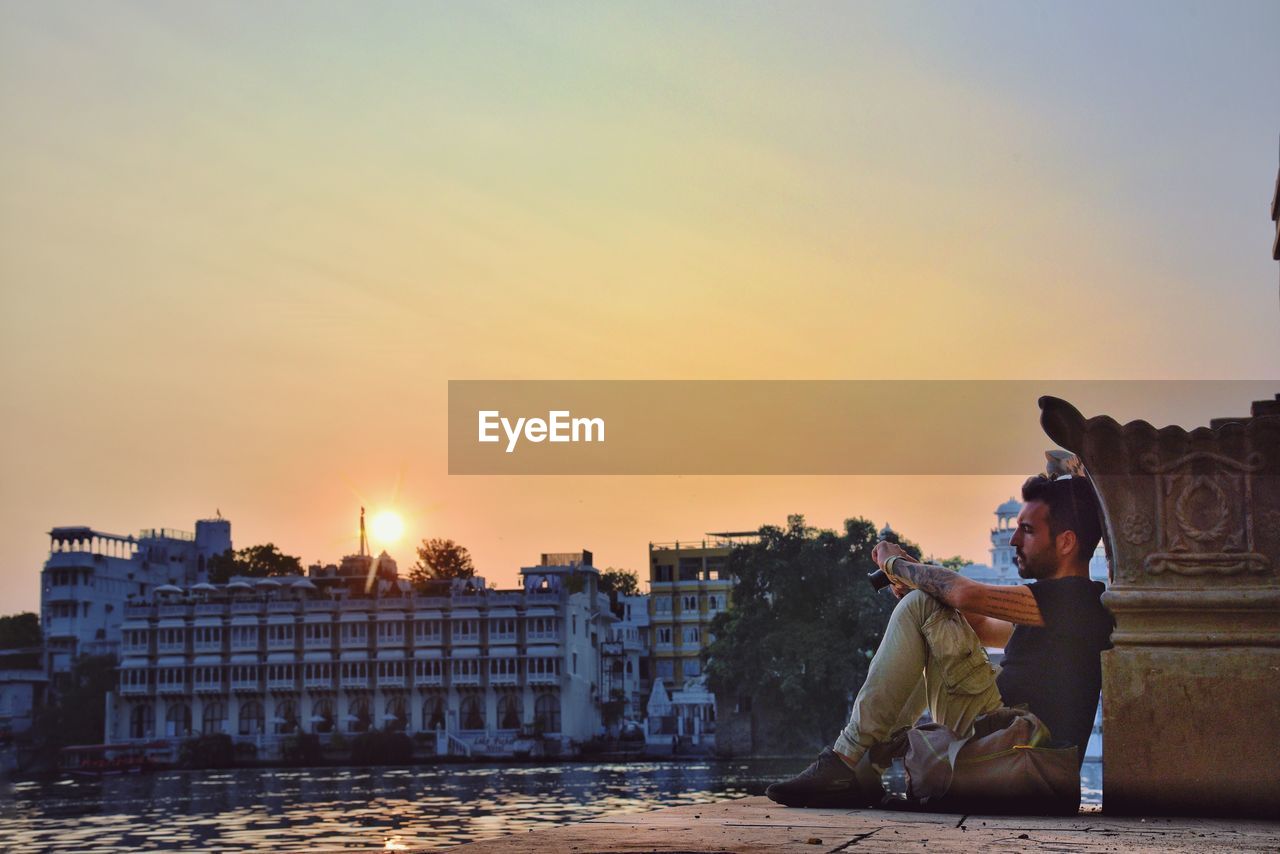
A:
x: 391, y: 808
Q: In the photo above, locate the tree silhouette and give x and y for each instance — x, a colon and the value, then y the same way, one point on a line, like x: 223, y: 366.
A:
x: 441, y: 559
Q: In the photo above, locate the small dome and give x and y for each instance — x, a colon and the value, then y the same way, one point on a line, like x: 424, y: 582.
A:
x: 886, y: 531
x: 1011, y: 507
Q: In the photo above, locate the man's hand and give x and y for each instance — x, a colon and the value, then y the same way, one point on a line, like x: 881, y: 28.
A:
x: 885, y: 550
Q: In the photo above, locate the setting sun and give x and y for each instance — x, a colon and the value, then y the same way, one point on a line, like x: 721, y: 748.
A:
x: 386, y: 526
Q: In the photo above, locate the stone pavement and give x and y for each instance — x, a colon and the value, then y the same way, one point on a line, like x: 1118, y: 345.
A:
x: 757, y: 825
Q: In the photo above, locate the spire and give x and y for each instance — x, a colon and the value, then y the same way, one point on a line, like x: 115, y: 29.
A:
x: 364, y: 538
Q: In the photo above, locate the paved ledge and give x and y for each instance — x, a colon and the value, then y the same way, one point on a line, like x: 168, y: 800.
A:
x: 758, y: 825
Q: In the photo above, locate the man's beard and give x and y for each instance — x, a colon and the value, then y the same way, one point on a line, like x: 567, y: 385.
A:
x: 1033, y: 569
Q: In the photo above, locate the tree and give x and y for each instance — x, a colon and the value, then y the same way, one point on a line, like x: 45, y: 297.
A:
x: 441, y: 559
x: 804, y: 625
x: 254, y: 561
x: 619, y: 582
x: 19, y: 631
x: 74, y: 712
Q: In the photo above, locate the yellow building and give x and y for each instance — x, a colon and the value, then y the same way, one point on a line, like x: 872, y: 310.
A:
x: 689, y: 583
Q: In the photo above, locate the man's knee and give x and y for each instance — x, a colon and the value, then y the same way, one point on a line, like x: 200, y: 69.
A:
x: 917, y: 606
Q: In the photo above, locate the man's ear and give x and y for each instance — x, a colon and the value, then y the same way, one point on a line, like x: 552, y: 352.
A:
x: 1066, y: 543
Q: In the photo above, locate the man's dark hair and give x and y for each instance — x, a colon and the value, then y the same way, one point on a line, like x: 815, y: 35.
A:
x: 1073, y: 506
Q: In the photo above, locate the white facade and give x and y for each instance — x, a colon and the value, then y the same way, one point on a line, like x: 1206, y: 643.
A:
x: 90, y: 575
x: 481, y: 669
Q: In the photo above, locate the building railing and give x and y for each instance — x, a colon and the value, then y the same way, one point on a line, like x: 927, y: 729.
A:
x: 246, y: 607
x: 285, y: 607
x: 211, y: 609
x: 175, y: 610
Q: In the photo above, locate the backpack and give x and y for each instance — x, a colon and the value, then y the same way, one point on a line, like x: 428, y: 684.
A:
x: 1008, y: 765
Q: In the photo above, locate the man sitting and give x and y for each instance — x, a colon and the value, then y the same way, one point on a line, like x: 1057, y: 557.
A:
x: 932, y: 652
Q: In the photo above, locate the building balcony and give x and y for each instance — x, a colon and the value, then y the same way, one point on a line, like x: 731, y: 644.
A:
x: 317, y: 683
x: 211, y: 609
x: 244, y: 645
x: 391, y: 682
x: 357, y: 682
x: 138, y: 611
x: 137, y: 649
x: 430, y: 680
x: 285, y: 607
x: 172, y: 688
x: 214, y: 647
x: 394, y: 604
x: 428, y: 640
x: 282, y: 644
x: 544, y: 678
x: 543, y: 637
x: 172, y: 648
x: 210, y: 687
x: 246, y: 607
x: 320, y: 605
x: 318, y: 643
x: 510, y: 637
x: 65, y: 593
x: 134, y: 690
x: 243, y: 686
x: 466, y: 679
x: 289, y: 684
x: 496, y: 599
x: 504, y: 679
x: 175, y: 610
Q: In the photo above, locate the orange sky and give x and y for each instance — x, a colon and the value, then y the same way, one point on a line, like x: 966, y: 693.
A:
x: 243, y: 248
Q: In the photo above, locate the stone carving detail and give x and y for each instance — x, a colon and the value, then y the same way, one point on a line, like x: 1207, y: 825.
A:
x: 1135, y: 526
x: 1203, y: 523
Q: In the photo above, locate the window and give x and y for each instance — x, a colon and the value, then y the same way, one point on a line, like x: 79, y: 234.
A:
x: 251, y: 718
x: 689, y: 603
x: 472, y: 713
x: 692, y: 635
x: 666, y: 668
x: 427, y: 630
x: 509, y: 711
x: 575, y: 662
x: 317, y: 634
x: 662, y: 605
x: 712, y: 603
x: 286, y: 719
x: 358, y: 717
x: 546, y: 713
x: 692, y: 667
x: 575, y: 624
x: 433, y: 713
x: 355, y: 633
x: 465, y: 630
x: 427, y: 671
x: 322, y: 715
x: 664, y: 634
x: 140, y: 721
x: 177, y: 720
x: 390, y: 633
x: 214, y: 719
x: 397, y: 719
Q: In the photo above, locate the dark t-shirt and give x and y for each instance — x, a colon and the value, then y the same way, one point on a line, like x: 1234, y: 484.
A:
x: 1056, y: 669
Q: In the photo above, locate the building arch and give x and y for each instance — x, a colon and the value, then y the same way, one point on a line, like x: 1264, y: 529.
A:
x: 397, y: 715
x: 286, y: 717
x: 509, y: 710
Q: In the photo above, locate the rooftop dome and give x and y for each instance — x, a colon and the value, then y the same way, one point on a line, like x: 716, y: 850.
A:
x: 1012, y: 507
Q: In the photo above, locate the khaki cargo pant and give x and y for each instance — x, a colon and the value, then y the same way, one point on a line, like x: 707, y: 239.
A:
x: 930, y: 657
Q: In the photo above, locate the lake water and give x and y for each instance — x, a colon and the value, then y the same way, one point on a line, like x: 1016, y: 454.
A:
x: 417, y: 807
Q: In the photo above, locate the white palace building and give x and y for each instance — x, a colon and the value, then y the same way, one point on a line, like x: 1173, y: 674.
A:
x: 477, y: 671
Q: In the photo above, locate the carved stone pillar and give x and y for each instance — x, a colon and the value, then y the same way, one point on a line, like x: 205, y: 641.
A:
x: 1191, y: 690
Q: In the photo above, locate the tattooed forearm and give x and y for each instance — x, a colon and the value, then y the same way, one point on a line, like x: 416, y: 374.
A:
x: 1015, y: 604
x: 937, y: 582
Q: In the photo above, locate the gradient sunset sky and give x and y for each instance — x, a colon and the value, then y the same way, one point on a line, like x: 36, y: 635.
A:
x: 243, y: 247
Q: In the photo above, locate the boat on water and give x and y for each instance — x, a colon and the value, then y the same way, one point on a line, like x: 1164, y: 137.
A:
x: 105, y: 760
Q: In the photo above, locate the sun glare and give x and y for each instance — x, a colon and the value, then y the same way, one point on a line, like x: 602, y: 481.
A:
x: 386, y: 526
